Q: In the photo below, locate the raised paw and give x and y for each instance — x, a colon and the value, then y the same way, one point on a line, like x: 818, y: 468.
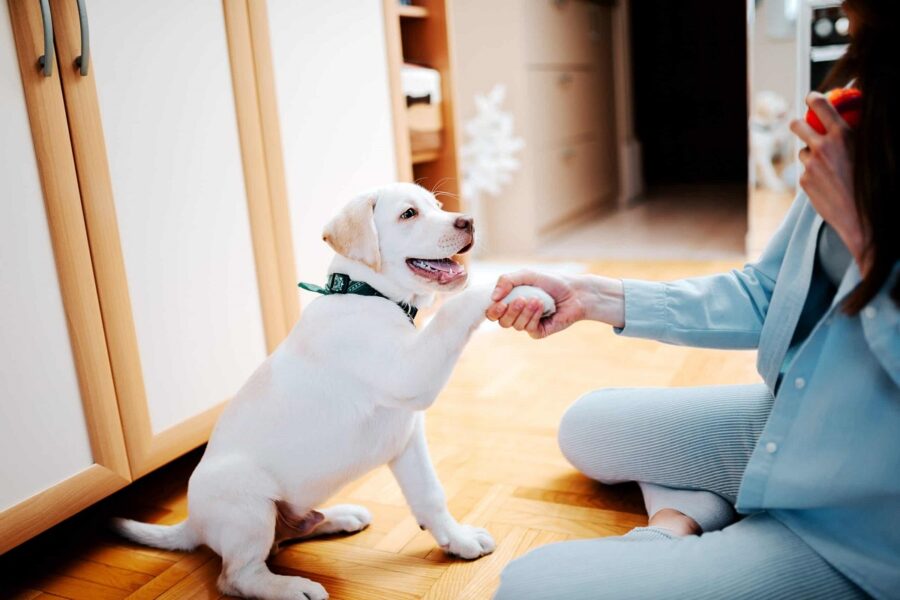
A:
x: 468, y: 542
x: 529, y: 292
x: 344, y: 518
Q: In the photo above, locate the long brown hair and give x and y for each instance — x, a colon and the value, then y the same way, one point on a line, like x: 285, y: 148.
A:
x: 874, y: 60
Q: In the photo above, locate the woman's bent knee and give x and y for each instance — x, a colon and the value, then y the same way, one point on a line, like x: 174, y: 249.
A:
x: 534, y: 575
x: 593, y: 434
x: 569, y: 570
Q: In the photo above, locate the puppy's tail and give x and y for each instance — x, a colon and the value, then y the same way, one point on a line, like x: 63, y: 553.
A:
x: 167, y: 537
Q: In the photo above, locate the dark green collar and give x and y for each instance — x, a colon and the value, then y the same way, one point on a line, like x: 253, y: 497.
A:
x: 338, y: 283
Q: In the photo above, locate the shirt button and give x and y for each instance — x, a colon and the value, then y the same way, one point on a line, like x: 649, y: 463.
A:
x: 771, y: 447
x: 799, y: 383
x: 869, y: 312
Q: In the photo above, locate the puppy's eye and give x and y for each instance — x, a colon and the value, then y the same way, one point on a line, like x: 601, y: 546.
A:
x: 409, y: 214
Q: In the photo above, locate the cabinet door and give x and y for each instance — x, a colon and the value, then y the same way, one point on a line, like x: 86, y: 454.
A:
x: 331, y: 78
x: 183, y: 269
x: 61, y: 445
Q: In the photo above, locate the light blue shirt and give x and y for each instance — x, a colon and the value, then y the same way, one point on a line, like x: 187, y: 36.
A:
x: 827, y: 464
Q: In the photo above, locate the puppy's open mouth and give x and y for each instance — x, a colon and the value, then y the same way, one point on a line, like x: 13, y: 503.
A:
x: 439, y: 270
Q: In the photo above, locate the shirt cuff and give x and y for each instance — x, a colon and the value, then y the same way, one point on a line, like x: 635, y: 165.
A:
x: 645, y: 307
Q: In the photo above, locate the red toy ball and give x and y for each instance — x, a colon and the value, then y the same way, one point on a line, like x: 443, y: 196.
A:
x: 847, y: 101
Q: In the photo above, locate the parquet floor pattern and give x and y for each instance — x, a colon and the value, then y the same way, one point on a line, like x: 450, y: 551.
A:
x: 492, y: 435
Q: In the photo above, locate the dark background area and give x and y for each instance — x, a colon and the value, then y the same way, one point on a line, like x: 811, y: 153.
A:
x: 689, y: 62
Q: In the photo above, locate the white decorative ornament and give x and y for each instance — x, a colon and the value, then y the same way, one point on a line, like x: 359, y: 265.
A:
x: 489, y: 154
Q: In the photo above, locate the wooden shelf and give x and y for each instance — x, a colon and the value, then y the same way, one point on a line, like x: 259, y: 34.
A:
x: 425, y: 156
x: 418, y: 34
x: 412, y: 12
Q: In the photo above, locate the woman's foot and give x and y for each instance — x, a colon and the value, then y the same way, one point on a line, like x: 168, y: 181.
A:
x: 686, y: 512
x: 677, y: 522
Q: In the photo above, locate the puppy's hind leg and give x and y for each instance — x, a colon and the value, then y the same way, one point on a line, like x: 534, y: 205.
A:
x: 245, y: 530
x: 341, y: 518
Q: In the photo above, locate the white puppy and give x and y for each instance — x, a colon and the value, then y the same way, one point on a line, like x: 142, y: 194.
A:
x: 770, y: 139
x: 343, y: 394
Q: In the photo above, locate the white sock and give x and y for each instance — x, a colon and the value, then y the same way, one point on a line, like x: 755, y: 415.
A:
x: 710, y: 511
x: 649, y: 534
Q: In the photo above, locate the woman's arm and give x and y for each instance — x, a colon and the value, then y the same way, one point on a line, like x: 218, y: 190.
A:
x: 719, y: 311
x: 577, y: 298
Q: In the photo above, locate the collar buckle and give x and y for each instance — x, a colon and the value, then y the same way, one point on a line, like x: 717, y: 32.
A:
x: 338, y: 283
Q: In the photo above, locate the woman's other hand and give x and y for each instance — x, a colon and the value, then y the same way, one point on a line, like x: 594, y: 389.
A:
x: 828, y: 175
x: 577, y: 297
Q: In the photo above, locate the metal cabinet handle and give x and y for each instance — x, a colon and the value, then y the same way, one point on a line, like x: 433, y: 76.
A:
x: 82, y: 61
x: 46, y: 59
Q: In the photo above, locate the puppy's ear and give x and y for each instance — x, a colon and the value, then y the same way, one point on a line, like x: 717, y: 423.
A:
x: 352, y: 232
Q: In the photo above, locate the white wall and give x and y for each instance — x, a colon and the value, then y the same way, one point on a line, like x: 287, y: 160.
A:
x: 334, y: 106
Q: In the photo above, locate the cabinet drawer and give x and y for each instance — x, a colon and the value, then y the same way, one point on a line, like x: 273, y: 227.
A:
x: 569, y: 180
x: 565, y: 105
x: 563, y: 32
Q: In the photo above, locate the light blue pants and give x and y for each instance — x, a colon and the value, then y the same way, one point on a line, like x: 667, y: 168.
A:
x: 679, y: 439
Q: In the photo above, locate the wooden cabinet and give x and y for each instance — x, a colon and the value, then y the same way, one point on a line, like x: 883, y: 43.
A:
x: 562, y: 32
x: 556, y: 62
x: 61, y: 443
x: 156, y: 141
x: 334, y: 111
x: 164, y: 286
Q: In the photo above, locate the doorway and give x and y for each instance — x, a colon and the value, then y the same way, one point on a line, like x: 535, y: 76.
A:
x: 688, y: 79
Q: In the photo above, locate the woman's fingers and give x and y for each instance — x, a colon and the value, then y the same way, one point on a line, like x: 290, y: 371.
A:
x: 806, y: 133
x: 507, y: 282
x: 828, y: 114
x: 534, y: 325
x: 531, y: 307
x: 805, y: 156
x: 495, y: 311
x: 512, y: 312
x: 520, y: 315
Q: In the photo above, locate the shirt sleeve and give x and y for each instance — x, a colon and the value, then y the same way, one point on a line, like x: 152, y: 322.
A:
x: 718, y: 311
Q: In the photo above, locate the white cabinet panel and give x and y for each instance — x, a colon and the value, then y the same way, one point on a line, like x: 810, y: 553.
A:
x: 43, y: 434
x: 332, y: 88
x: 167, y: 105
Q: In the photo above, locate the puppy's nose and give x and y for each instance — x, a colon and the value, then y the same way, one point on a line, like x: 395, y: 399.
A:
x: 465, y: 222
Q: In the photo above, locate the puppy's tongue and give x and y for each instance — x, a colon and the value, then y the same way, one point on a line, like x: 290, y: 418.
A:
x: 442, y: 270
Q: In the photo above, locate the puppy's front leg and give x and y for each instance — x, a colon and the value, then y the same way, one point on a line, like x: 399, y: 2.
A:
x: 425, y: 496
x: 426, y: 361
x: 433, y: 352
x: 459, y: 316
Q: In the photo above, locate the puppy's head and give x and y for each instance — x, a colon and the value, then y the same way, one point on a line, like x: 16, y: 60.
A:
x: 769, y: 108
x: 401, y: 232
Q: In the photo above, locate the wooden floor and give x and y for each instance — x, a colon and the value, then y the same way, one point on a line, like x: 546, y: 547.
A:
x: 492, y: 435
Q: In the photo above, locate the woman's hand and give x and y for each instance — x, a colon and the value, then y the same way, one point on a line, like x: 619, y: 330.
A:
x: 577, y: 297
x: 828, y: 175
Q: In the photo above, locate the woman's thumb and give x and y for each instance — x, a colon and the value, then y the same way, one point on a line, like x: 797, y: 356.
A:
x: 507, y: 282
